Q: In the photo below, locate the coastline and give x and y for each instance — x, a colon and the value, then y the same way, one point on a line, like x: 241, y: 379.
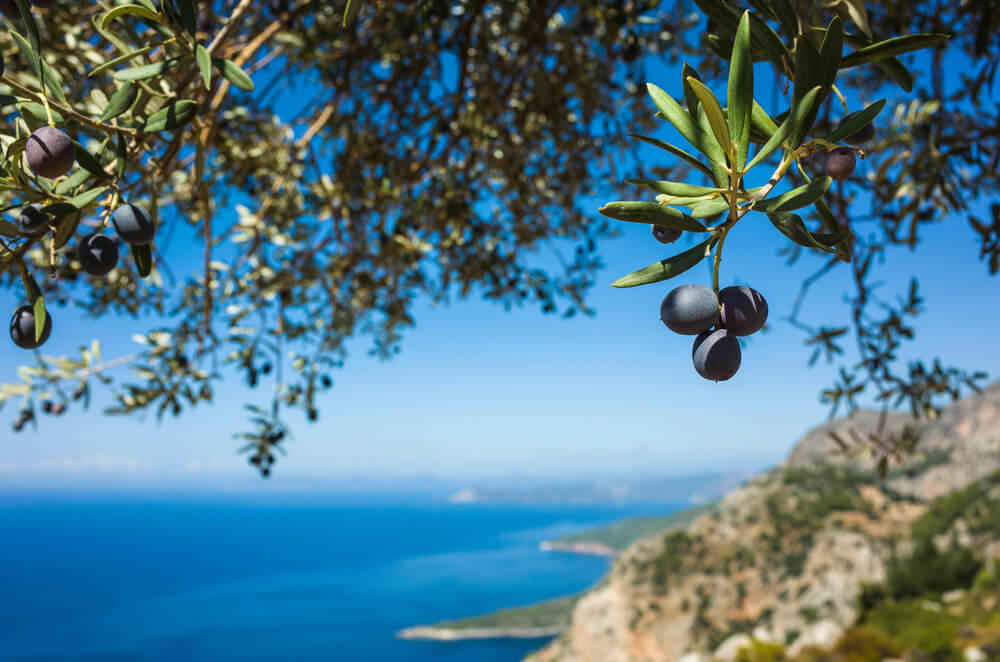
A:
x: 592, y: 548
x: 435, y: 633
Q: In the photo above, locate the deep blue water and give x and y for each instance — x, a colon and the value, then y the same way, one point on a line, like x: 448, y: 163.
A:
x: 247, y: 578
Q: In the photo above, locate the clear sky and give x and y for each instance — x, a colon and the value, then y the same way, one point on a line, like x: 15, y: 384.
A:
x: 480, y: 392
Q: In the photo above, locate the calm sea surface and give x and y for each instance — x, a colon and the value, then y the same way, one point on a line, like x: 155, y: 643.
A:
x: 287, y: 578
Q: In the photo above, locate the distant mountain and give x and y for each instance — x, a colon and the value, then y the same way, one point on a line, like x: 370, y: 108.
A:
x: 819, y: 559
x: 678, y: 489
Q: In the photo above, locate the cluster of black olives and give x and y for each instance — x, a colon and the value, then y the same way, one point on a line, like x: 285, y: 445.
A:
x: 98, y: 255
x: 717, y: 322
x: 263, y: 459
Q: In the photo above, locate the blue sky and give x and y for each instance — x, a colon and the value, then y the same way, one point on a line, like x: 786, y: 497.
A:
x: 480, y: 392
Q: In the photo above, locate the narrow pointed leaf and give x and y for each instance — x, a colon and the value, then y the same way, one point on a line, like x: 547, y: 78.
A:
x: 791, y: 226
x: 133, y: 10
x: 856, y: 10
x: 802, y: 109
x: 31, y: 28
x: 121, y: 155
x: 353, y: 6
x: 88, y: 161
x: 891, y: 48
x: 41, y: 316
x: 761, y: 122
x: 716, y: 118
x: 652, y: 213
x: 37, y: 111
x: 205, y: 64
x: 120, y: 59
x: 740, y: 93
x: 676, y: 151
x: 690, y: 98
x: 831, y: 51
x: 808, y: 74
x: 692, y: 132
x: 673, y: 188
x: 231, y: 72
x: 188, y: 10
x: 120, y: 101
x: 171, y: 117
x: 856, y: 121
x: 796, y: 198
x: 710, y: 208
x: 786, y: 16
x: 66, y: 230
x: 64, y: 186
x: 145, y: 71
x: 143, y: 257
x: 668, y: 268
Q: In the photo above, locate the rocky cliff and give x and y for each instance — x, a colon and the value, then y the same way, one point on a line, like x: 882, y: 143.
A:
x: 786, y: 557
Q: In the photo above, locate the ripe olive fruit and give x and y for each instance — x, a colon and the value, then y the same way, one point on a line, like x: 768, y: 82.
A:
x: 840, y: 163
x: 690, y: 309
x: 716, y: 354
x: 50, y: 152
x: 32, y: 220
x: 134, y: 225
x: 22, y: 328
x: 665, y: 235
x: 98, y: 254
x: 743, y: 310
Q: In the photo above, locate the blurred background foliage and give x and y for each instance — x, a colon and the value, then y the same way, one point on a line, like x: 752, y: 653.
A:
x: 436, y: 150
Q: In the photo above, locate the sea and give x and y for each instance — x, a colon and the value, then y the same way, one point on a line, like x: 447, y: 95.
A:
x: 263, y: 577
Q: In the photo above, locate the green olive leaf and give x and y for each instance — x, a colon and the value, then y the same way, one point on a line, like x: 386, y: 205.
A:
x: 231, y: 72
x: 120, y: 101
x: 716, y: 118
x: 809, y: 73
x: 673, y: 188
x: 205, y: 64
x: 891, y: 48
x: 144, y: 71
x: 796, y: 198
x: 172, y: 116
x: 34, y: 51
x: 37, y: 111
x: 652, y: 213
x: 791, y: 226
x: 41, y: 316
x: 676, y: 151
x: 66, y: 229
x: 690, y: 130
x: 856, y: 121
x: 710, y: 208
x: 664, y: 269
x: 798, y: 114
x: 121, y: 58
x: 89, y: 162
x: 831, y: 51
x: 740, y: 92
x: 143, y: 257
x: 134, y: 10
x: 353, y: 6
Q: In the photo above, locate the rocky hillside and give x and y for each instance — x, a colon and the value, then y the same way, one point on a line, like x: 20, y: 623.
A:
x: 791, y: 559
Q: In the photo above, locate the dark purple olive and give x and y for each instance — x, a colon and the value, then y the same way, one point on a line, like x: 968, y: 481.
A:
x: 716, y: 354
x: 98, y: 254
x: 134, y: 225
x: 665, y: 235
x: 32, y: 220
x: 50, y: 152
x: 690, y: 309
x: 743, y: 310
x: 840, y: 163
x: 22, y: 328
